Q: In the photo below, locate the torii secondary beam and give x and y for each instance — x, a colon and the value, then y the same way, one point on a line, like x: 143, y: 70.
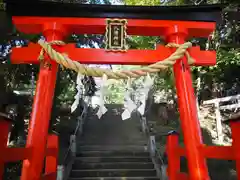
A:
x: 29, y: 55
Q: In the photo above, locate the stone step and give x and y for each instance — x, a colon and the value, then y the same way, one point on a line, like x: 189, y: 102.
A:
x: 114, y: 165
x: 116, y: 178
x: 130, y: 142
x: 112, y: 148
x: 113, y: 159
x: 111, y: 153
x: 114, y: 173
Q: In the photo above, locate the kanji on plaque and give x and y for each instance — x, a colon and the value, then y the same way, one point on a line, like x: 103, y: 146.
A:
x: 115, y: 36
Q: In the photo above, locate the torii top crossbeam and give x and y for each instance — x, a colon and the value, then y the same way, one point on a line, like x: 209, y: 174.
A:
x: 206, y: 13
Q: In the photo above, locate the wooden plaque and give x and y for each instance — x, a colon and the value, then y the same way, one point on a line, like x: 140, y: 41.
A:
x: 115, y: 37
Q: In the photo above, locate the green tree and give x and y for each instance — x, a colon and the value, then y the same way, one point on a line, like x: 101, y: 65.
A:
x: 142, y: 2
x: 226, y: 39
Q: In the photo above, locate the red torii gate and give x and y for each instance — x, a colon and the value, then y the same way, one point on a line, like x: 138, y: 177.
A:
x: 56, y: 21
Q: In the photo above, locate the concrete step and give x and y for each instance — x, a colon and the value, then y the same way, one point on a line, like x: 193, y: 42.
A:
x: 116, y: 178
x: 90, y: 142
x: 111, y: 153
x: 113, y: 165
x: 112, y: 148
x: 114, y: 173
x: 112, y: 159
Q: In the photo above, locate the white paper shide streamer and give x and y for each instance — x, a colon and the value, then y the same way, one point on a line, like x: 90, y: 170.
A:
x: 129, y: 105
x: 144, y: 93
x: 79, y: 92
x: 102, y: 109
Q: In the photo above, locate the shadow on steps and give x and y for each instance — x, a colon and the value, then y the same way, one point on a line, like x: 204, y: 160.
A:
x: 111, y: 129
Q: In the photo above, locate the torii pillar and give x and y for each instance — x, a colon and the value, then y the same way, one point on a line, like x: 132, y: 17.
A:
x: 42, y: 105
x: 188, y: 111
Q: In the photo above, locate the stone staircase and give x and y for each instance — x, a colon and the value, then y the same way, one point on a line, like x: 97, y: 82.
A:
x: 108, y: 164
x: 112, y: 149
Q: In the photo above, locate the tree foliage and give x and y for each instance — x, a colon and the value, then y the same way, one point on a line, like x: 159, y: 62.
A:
x: 142, y: 2
x: 225, y: 74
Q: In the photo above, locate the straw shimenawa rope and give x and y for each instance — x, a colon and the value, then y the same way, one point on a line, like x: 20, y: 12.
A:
x: 66, y: 62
